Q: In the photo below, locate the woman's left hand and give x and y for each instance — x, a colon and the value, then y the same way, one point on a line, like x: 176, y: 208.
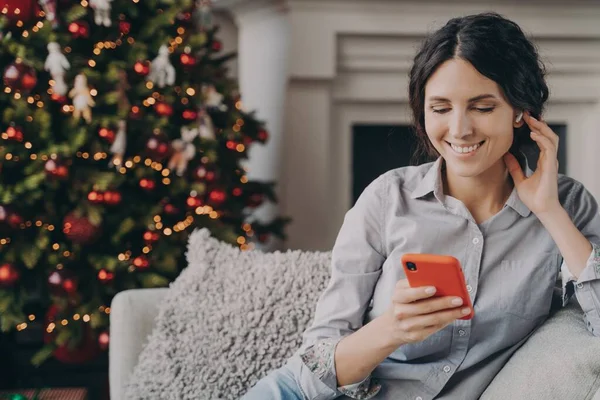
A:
x: 539, y: 192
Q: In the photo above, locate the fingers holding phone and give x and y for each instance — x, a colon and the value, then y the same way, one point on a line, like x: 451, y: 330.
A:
x: 418, y: 313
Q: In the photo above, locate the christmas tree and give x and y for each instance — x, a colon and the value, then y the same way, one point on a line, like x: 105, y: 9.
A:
x: 120, y: 133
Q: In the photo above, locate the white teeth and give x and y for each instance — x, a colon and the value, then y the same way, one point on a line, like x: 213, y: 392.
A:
x: 463, y: 150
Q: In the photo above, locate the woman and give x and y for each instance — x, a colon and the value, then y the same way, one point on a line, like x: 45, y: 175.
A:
x: 477, y: 92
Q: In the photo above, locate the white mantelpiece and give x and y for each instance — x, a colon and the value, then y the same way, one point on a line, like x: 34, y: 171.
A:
x: 348, y: 63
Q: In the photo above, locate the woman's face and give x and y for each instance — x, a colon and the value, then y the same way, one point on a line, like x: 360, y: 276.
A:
x: 467, y: 119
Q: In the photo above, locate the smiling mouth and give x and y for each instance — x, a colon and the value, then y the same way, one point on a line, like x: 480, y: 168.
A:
x: 466, y: 149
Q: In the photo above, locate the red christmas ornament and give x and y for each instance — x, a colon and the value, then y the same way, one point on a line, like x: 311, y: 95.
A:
x: 158, y: 146
x: 62, y: 282
x: 142, y: 68
x: 112, y: 198
x: 141, y: 262
x: 19, y: 10
x: 14, y: 133
x: 237, y: 192
x: 19, y: 76
x: 217, y: 196
x: 9, y: 220
x: 70, y: 285
x: 193, y: 202
x: 103, y: 340
x: 95, y: 197
x: 71, y: 353
x: 187, y: 60
x: 79, y: 29
x: 247, y: 140
x: 186, y: 16
x: 105, y: 276
x: 171, y: 209
x: 205, y: 174
x: 263, y: 135
x: 124, y: 27
x: 29, y: 80
x: 136, y: 112
x: 151, y: 237
x: 190, y: 115
x: 147, y: 184
x: 231, y: 144
x: 79, y: 229
x: 12, y: 75
x: 163, y: 109
x: 216, y: 45
x: 9, y: 275
x: 58, y: 98
x: 56, y: 169
x: 107, y: 134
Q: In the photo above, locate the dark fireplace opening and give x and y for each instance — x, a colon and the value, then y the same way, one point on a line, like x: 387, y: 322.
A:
x: 377, y: 149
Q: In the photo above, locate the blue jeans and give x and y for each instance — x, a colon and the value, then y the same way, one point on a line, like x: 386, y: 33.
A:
x: 278, y: 385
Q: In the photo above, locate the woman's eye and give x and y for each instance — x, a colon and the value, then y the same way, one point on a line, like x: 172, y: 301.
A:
x: 482, y: 110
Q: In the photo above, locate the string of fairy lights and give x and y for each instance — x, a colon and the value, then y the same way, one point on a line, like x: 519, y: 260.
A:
x: 157, y: 227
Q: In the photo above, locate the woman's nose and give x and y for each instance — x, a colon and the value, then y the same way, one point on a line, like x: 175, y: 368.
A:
x: 460, y: 126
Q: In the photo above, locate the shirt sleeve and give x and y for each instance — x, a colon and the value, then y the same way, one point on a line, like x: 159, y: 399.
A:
x: 319, y: 358
x: 356, y: 262
x: 585, y: 214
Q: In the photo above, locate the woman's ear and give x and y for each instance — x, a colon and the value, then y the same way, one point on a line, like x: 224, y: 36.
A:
x: 519, y: 120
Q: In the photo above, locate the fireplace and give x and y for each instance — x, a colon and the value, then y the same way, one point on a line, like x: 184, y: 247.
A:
x: 377, y: 149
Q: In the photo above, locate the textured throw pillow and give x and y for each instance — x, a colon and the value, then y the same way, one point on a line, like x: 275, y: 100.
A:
x: 229, y: 319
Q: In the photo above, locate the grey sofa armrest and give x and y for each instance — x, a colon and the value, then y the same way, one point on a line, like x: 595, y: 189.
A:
x: 561, y: 360
x: 131, y: 321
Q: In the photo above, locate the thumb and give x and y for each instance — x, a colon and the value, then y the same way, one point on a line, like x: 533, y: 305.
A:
x: 514, y: 169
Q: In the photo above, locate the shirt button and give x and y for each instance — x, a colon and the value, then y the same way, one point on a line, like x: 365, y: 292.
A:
x: 469, y: 288
x: 419, y: 398
x: 580, y: 286
x: 475, y: 240
x: 462, y: 333
x: 447, y: 368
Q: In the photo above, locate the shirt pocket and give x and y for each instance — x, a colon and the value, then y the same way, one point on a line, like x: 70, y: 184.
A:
x: 526, y: 286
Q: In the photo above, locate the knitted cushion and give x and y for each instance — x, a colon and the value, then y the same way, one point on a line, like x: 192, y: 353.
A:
x: 228, y: 319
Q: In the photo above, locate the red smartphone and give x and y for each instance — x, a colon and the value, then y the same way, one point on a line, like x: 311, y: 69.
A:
x: 443, y: 272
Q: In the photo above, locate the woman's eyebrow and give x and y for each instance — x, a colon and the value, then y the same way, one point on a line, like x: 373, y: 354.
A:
x: 471, y: 100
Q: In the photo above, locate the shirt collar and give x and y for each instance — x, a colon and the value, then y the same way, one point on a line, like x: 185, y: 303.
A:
x: 432, y: 182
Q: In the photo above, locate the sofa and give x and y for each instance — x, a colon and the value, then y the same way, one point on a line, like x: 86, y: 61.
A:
x: 561, y: 360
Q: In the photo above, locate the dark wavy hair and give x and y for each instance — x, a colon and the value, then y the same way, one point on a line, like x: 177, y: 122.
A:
x: 499, y: 50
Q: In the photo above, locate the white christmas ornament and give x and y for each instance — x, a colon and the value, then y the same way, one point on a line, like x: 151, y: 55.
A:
x: 82, y: 99
x: 184, y: 150
x: 119, y: 145
x: 213, y: 99
x: 49, y: 7
x: 205, y: 126
x: 57, y: 64
x: 101, y: 12
x: 161, y: 71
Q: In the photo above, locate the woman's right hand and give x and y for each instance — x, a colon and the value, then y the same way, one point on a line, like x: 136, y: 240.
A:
x: 416, y: 314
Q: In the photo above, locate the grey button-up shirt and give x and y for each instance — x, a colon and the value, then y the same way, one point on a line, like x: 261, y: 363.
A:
x: 510, y: 262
